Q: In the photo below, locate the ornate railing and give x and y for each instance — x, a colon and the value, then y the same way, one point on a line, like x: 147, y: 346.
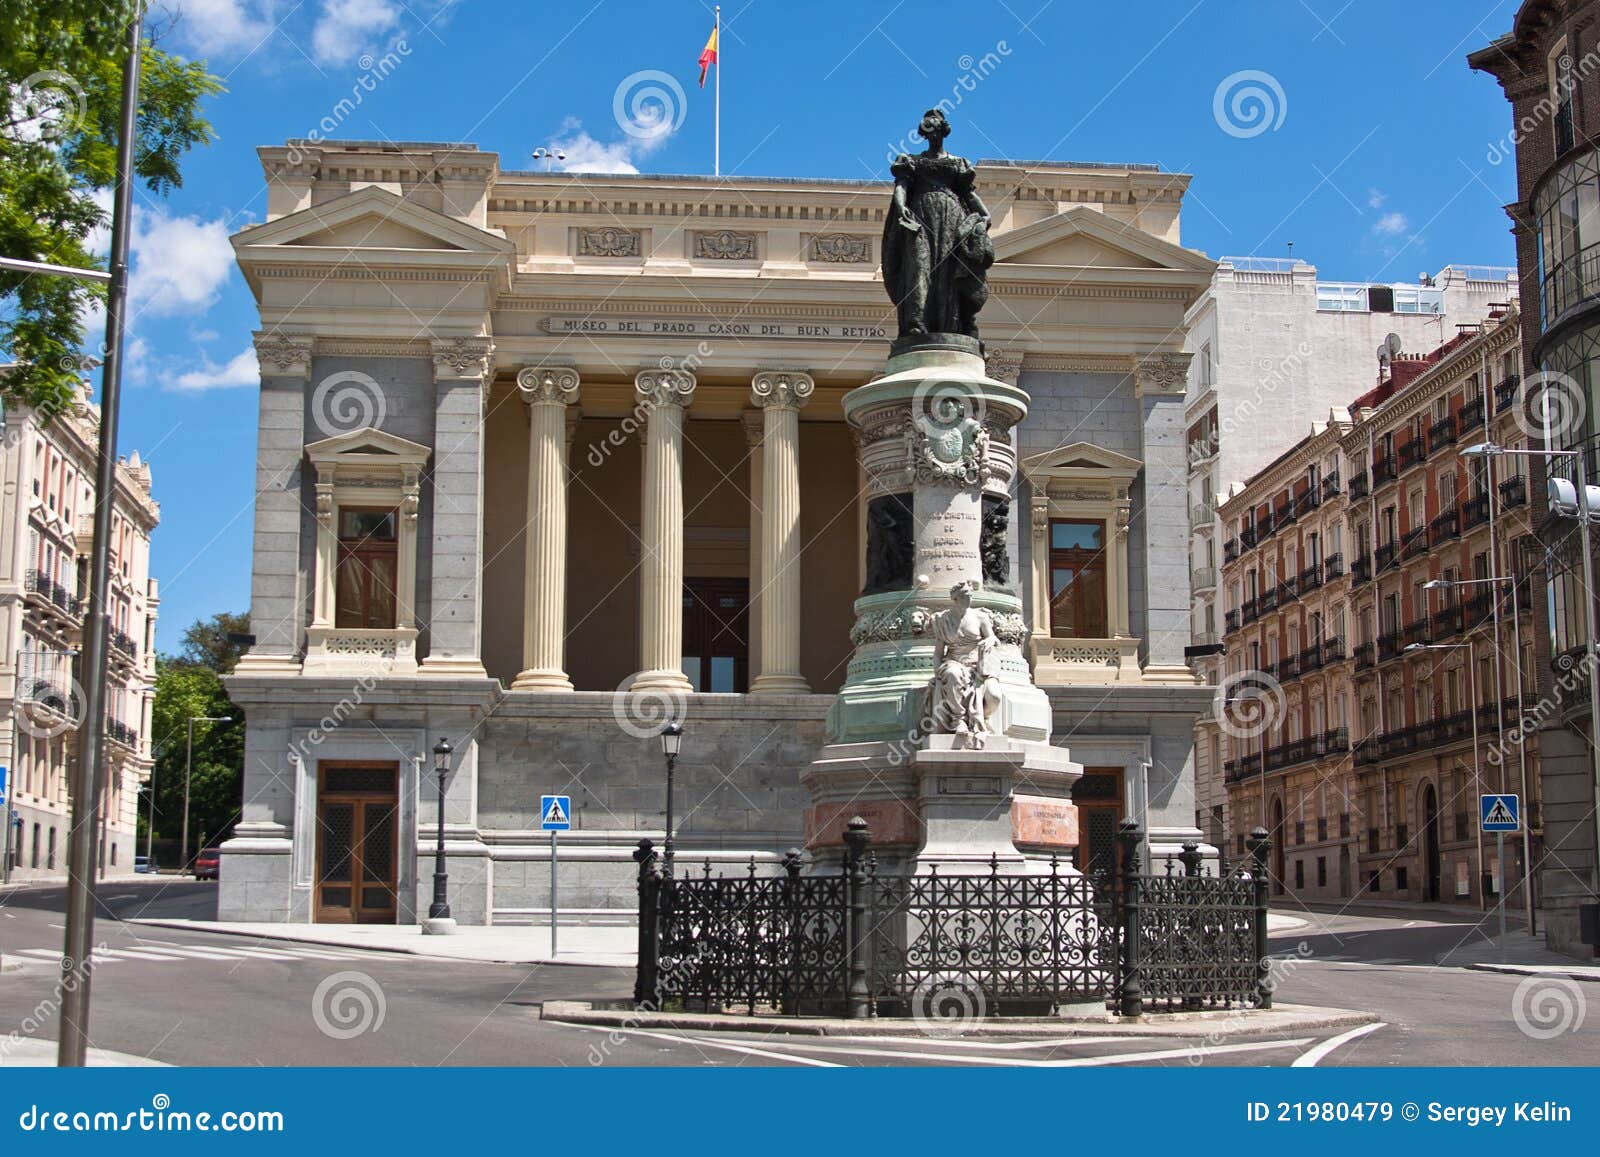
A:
x: 865, y: 943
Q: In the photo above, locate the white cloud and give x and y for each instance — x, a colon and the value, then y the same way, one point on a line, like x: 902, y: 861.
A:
x: 223, y: 26
x: 179, y: 263
x: 345, y: 27
x: 1391, y: 225
x: 242, y: 370
x: 584, y: 154
x: 1376, y: 198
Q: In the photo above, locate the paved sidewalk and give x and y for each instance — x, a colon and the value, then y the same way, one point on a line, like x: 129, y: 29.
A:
x: 32, y: 1053
x: 1524, y: 956
x: 1085, y: 1020
x: 498, y: 944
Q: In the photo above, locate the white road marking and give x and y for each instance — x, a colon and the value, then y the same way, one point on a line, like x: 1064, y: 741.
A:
x: 1028, y: 1062
x: 962, y: 1043
x: 138, y: 954
x: 716, y: 1044
x: 1311, y: 1058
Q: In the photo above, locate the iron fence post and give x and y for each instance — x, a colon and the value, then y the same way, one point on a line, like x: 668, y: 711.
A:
x: 1130, y: 995
x: 1259, y: 844
x: 647, y: 975
x: 856, y: 839
x: 789, y: 951
x: 1190, y: 858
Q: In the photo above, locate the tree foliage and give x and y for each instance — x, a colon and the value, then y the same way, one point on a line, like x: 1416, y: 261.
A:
x: 190, y: 686
x: 61, y: 67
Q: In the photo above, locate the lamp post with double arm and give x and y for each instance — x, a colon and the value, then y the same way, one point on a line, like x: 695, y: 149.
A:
x: 671, y: 744
x: 439, y: 921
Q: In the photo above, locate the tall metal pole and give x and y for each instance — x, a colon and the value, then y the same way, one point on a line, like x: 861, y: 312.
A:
x: 188, y: 774
x: 84, y: 832
x: 716, y: 147
x: 1477, y: 767
x: 667, y: 849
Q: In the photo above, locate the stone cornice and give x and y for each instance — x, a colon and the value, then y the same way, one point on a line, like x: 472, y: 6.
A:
x: 373, y: 347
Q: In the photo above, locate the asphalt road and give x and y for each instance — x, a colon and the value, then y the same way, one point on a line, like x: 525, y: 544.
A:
x: 194, y: 998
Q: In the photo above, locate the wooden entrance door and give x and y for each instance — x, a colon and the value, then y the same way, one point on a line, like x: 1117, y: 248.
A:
x: 357, y: 843
x: 1098, y: 796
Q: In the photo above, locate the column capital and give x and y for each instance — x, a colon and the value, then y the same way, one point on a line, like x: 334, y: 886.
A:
x: 1161, y: 373
x: 1003, y: 365
x: 283, y: 356
x: 786, y: 389
x: 460, y: 359
x: 664, y: 387
x: 548, y: 385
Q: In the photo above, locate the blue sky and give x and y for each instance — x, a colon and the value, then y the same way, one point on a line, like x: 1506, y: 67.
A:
x: 1377, y: 157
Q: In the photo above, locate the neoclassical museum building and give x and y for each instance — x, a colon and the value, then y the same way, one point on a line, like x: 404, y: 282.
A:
x: 548, y: 459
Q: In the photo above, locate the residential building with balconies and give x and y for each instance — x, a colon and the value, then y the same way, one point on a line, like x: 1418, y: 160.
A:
x: 1548, y: 64
x: 1281, y: 736
x: 1440, y: 601
x: 46, y: 519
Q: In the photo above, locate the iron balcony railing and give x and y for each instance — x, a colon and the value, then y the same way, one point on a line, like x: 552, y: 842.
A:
x: 1250, y: 610
x: 1383, y: 470
x: 1447, y: 524
x: 120, y: 732
x: 1309, y: 660
x: 1230, y: 621
x: 1282, y: 515
x: 1442, y: 432
x: 1364, y: 656
x: 49, y: 591
x: 1571, y: 281
x: 1385, y: 557
x: 1415, y: 633
x: 1475, y: 511
x: 1269, y: 600
x: 1414, y: 543
x: 1447, y: 622
x: 1247, y: 537
x: 1333, y: 649
x: 1506, y: 393
x: 1360, y: 484
x: 1310, y: 579
x: 1514, y: 492
x: 1288, y: 590
x: 1230, y: 550
x: 1330, y: 485
x: 1203, y: 577
x: 1413, y: 453
x: 1477, y: 610
x: 1470, y: 414
x: 123, y: 642
x: 1390, y: 644
x: 1361, y: 569
x: 1333, y: 566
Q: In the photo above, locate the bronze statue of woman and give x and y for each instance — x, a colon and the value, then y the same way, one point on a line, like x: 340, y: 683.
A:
x: 936, y: 247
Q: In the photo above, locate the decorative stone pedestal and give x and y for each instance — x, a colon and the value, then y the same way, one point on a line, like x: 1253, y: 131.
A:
x: 934, y: 436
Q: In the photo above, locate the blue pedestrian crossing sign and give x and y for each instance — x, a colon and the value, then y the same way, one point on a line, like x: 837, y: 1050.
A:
x: 3, y: 770
x: 556, y: 813
x: 1501, y: 813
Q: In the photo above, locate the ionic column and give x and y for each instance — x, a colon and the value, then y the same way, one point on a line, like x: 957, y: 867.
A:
x: 664, y: 395
x: 754, y: 424
x: 549, y: 391
x: 780, y: 394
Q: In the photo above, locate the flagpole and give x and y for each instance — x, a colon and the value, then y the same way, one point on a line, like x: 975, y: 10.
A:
x: 716, y: 147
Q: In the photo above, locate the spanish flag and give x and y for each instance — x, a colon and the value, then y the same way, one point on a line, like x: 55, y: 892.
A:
x: 708, y: 56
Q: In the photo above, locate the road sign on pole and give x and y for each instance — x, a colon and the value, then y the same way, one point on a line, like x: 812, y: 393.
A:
x: 555, y: 816
x: 1500, y: 813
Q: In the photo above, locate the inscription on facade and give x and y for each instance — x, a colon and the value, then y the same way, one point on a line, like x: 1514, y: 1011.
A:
x: 969, y: 785
x: 709, y: 327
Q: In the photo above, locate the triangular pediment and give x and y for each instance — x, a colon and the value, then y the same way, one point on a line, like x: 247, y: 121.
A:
x: 372, y: 218
x: 1087, y: 238
x: 1081, y: 457
x: 367, y: 444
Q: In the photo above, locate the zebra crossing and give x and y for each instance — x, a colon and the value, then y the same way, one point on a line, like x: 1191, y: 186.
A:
x: 168, y: 952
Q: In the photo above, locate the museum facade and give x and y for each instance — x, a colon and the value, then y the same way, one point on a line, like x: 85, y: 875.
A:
x: 548, y: 459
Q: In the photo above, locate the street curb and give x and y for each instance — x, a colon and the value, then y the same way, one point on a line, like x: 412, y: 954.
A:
x: 1206, y: 1025
x: 1592, y: 976
x: 211, y: 928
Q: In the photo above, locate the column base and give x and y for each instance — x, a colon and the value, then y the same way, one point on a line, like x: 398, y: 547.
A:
x: 438, y: 926
x: 661, y: 679
x: 1157, y: 673
x: 541, y: 679
x: 779, y: 684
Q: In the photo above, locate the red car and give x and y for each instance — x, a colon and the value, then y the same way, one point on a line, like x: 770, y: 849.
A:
x: 208, y: 863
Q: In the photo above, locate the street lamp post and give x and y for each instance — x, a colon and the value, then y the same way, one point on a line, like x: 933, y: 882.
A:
x: 184, y: 861
x: 671, y: 744
x: 1477, y: 766
x: 1591, y: 648
x: 439, y: 921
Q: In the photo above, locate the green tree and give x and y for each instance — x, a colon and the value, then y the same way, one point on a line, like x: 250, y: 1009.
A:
x: 190, y: 686
x: 61, y: 66
x: 216, y: 642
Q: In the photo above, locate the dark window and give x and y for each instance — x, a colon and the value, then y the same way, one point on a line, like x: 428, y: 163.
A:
x: 1078, y: 605
x: 367, y: 570
x: 1322, y: 871
x: 1299, y: 874
x: 1399, y: 879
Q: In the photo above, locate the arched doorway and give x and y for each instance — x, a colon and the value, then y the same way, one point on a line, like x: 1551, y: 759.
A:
x: 1279, y: 875
x: 1432, y: 860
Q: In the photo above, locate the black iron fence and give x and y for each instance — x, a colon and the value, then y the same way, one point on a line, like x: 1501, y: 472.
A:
x: 865, y: 943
